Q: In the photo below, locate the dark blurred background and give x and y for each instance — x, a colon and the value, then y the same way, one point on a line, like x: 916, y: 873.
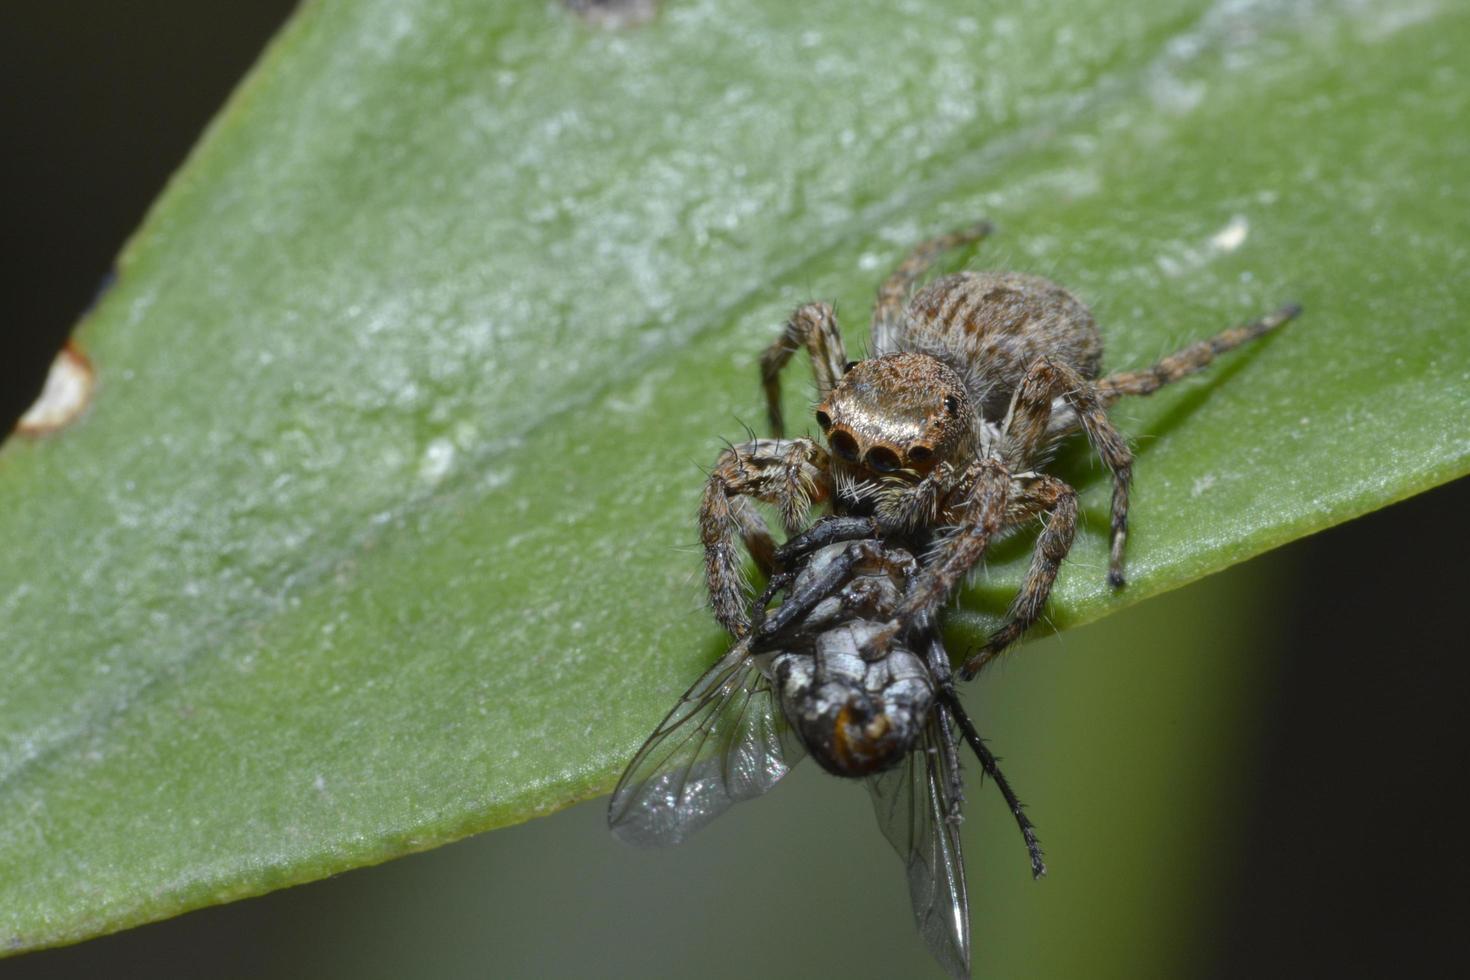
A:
x: 1350, y: 859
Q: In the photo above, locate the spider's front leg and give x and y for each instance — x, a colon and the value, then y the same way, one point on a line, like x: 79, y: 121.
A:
x: 978, y: 515
x: 790, y: 474
x: 974, y: 506
x: 813, y: 326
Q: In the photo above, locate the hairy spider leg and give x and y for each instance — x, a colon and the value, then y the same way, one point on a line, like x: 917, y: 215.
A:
x: 985, y: 487
x: 1040, y: 496
x: 1027, y: 424
x: 813, y: 326
x: 1191, y: 359
x: 791, y: 475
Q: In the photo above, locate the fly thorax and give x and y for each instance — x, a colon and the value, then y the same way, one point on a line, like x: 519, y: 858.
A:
x: 873, y: 596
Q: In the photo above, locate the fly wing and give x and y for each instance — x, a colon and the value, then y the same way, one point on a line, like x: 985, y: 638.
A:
x: 724, y: 742
x: 918, y: 808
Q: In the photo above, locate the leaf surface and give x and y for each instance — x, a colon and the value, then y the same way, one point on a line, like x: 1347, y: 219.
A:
x: 379, y: 529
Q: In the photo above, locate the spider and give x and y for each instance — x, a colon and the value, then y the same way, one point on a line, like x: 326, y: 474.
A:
x: 938, y: 439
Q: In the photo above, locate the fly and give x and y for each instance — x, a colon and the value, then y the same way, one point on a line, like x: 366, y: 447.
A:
x: 804, y: 680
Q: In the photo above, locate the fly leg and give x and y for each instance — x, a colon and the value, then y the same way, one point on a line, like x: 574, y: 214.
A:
x: 939, y: 667
x: 828, y: 530
x: 860, y: 555
x: 991, y: 765
x: 948, y: 700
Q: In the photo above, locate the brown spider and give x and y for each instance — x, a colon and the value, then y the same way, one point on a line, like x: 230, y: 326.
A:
x: 939, y: 437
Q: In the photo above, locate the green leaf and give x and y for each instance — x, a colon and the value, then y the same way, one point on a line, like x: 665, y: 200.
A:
x: 379, y: 531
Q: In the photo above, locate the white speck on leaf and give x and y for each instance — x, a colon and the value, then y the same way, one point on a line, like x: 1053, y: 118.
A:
x: 1233, y: 235
x: 437, y: 460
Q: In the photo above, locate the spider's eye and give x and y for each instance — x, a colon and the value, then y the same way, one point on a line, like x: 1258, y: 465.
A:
x: 920, y: 454
x: 850, y: 366
x: 844, y: 445
x: 883, y: 460
x: 951, y: 404
x: 824, y: 420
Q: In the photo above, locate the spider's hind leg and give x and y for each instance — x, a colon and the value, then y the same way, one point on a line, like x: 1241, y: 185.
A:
x: 1188, y: 360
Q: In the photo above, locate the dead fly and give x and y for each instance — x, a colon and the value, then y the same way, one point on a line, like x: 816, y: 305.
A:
x: 799, y: 682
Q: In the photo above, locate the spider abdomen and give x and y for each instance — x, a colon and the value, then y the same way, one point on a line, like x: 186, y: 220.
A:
x: 990, y: 327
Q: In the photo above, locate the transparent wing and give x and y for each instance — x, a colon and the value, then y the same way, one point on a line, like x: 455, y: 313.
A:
x: 725, y: 741
x: 918, y: 808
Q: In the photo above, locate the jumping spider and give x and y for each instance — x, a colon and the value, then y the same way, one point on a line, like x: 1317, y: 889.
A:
x: 939, y: 437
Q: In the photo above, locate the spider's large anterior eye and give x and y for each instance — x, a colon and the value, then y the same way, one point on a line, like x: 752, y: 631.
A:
x: 883, y: 460
x: 850, y: 366
x: 951, y: 404
x: 844, y: 445
x: 824, y: 420
x: 920, y: 454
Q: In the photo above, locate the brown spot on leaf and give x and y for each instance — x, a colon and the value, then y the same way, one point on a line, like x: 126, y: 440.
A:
x: 66, y: 394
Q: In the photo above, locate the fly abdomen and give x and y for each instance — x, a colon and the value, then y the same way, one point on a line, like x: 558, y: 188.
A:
x: 855, y: 716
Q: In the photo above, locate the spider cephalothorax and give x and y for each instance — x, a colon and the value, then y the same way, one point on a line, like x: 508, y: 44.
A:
x: 897, y: 414
x: 971, y: 384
